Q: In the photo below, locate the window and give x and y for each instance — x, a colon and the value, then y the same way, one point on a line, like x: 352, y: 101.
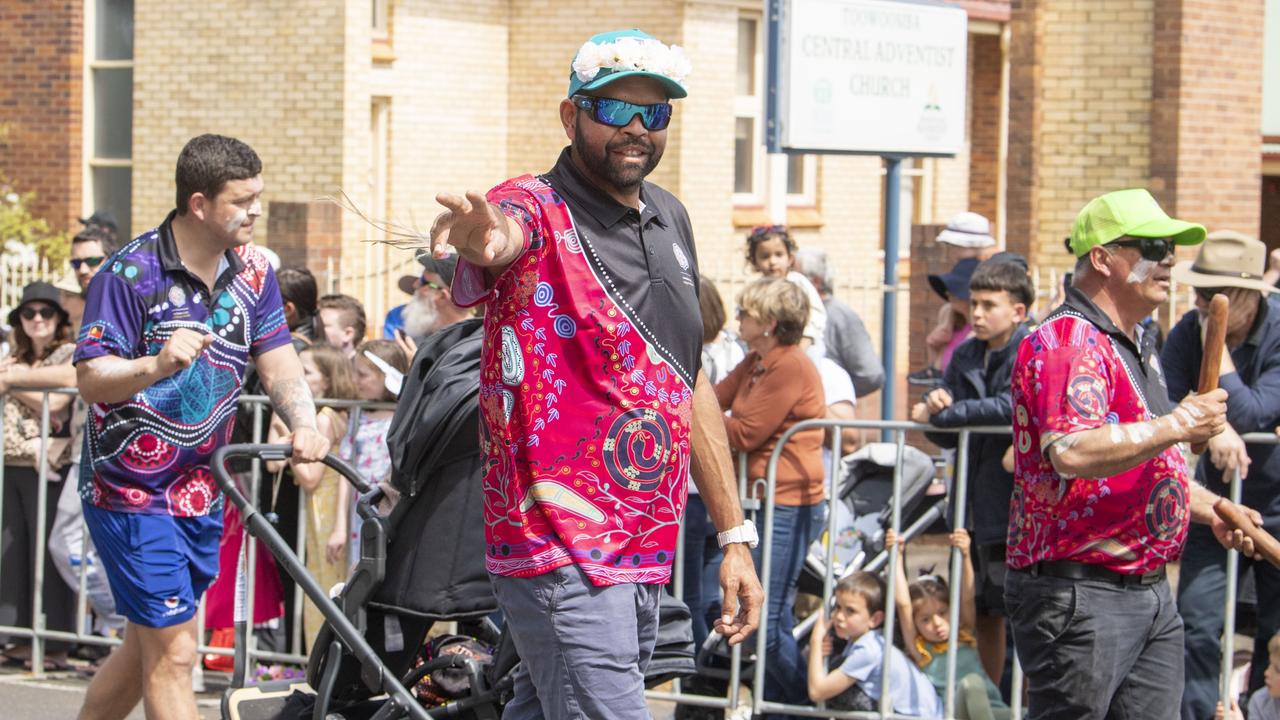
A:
x: 381, y: 21
x: 748, y: 110
x: 108, y: 110
x: 376, y: 260
x: 750, y: 169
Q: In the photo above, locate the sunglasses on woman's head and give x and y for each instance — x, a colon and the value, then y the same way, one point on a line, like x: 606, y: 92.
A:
x: 92, y: 261
x: 30, y: 313
x: 618, y: 113
x: 1153, y: 249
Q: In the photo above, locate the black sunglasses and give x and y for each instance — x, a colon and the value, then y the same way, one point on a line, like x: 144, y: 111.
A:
x: 618, y: 113
x: 30, y: 313
x: 92, y: 261
x: 1153, y: 249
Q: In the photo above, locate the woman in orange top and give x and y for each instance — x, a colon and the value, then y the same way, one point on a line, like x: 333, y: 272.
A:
x: 773, y: 388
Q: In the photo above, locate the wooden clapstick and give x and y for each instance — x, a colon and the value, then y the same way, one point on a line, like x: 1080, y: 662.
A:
x: 1263, y: 542
x: 1215, y: 340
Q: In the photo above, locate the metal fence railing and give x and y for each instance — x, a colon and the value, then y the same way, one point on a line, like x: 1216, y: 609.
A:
x: 763, y: 509
x: 40, y: 634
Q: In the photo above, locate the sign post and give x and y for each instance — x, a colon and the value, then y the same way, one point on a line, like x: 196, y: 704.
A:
x: 869, y: 77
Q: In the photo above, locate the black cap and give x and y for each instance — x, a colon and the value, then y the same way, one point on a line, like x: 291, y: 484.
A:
x: 444, y: 267
x: 1008, y: 257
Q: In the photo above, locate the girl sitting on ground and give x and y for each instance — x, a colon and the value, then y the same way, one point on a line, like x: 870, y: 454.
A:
x: 924, y: 611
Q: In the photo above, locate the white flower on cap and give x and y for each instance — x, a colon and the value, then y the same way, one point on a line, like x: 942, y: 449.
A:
x: 631, y: 53
x: 589, y: 60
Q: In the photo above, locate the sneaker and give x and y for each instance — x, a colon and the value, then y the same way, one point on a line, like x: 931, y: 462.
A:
x: 928, y: 376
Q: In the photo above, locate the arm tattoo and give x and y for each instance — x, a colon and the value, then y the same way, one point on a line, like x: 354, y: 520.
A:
x: 292, y: 401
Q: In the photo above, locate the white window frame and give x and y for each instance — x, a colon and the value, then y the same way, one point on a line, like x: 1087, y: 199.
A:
x: 89, y: 116
x: 752, y: 107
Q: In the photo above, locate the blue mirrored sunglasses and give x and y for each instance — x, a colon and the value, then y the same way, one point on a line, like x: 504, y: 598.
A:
x: 616, y: 113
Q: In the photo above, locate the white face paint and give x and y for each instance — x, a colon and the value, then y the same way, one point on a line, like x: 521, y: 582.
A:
x: 1138, y: 432
x: 1142, y: 271
x: 240, y: 218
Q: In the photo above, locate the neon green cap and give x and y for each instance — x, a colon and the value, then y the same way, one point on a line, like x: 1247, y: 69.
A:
x: 1132, y: 213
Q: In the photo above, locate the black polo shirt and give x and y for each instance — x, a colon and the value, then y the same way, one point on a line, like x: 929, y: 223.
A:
x: 1141, y: 359
x: 645, y: 258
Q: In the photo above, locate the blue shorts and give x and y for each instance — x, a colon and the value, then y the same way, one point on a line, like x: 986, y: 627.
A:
x: 158, y: 566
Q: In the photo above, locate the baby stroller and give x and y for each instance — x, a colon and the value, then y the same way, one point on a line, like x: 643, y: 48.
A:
x: 422, y: 563
x: 864, y: 512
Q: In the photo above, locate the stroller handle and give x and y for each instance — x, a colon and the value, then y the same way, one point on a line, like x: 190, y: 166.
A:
x: 218, y: 465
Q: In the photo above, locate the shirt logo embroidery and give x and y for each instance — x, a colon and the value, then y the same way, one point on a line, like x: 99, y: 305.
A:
x: 680, y: 256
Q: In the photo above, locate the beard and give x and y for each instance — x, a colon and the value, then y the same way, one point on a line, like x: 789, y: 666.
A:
x: 605, y: 165
x: 420, y: 317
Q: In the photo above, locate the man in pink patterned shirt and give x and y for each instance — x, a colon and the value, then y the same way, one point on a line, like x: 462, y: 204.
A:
x: 595, y: 412
x: 1102, y: 497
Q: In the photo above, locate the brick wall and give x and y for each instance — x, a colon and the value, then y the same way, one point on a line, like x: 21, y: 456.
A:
x: 1163, y: 94
x: 41, y: 95
x: 1096, y: 121
x: 1026, y: 69
x: 984, y: 124
x: 1207, y: 108
x: 306, y: 234
x: 275, y: 81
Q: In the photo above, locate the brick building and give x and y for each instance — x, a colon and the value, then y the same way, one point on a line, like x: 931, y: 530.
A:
x: 391, y: 101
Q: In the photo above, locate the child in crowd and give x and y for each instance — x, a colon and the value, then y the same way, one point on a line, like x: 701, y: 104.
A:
x: 924, y: 612
x: 328, y: 375
x: 1264, y: 703
x: 952, y: 326
x: 343, y: 321
x: 856, y: 683
x: 975, y: 392
x: 771, y: 251
x: 366, y: 446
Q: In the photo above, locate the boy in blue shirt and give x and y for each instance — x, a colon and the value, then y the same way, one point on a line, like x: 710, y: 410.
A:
x: 857, y: 683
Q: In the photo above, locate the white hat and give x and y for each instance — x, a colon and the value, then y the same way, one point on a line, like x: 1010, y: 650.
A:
x: 968, y: 230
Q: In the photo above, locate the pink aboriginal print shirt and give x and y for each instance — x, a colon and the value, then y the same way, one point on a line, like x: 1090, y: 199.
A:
x: 1077, y: 372
x: 586, y: 409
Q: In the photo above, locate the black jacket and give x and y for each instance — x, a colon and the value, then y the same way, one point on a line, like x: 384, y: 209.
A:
x: 435, y: 555
x: 1253, y: 401
x: 980, y: 397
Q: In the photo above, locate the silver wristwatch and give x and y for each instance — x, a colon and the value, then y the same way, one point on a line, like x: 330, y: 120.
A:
x: 744, y: 533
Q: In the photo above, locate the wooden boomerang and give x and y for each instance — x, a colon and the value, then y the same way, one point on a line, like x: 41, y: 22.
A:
x: 1263, y: 542
x: 1215, y: 340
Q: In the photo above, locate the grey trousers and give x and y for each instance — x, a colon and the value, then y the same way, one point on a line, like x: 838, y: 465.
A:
x: 583, y: 649
x: 1093, y: 650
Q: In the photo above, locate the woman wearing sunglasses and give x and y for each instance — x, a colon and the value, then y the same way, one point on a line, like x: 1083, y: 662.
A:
x: 41, y: 338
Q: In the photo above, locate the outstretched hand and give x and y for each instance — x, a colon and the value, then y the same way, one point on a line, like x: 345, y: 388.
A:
x: 474, y: 226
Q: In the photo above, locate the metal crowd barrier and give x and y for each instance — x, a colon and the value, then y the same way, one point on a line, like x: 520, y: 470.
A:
x: 39, y: 634
x: 1228, y: 646
x: 898, y: 430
